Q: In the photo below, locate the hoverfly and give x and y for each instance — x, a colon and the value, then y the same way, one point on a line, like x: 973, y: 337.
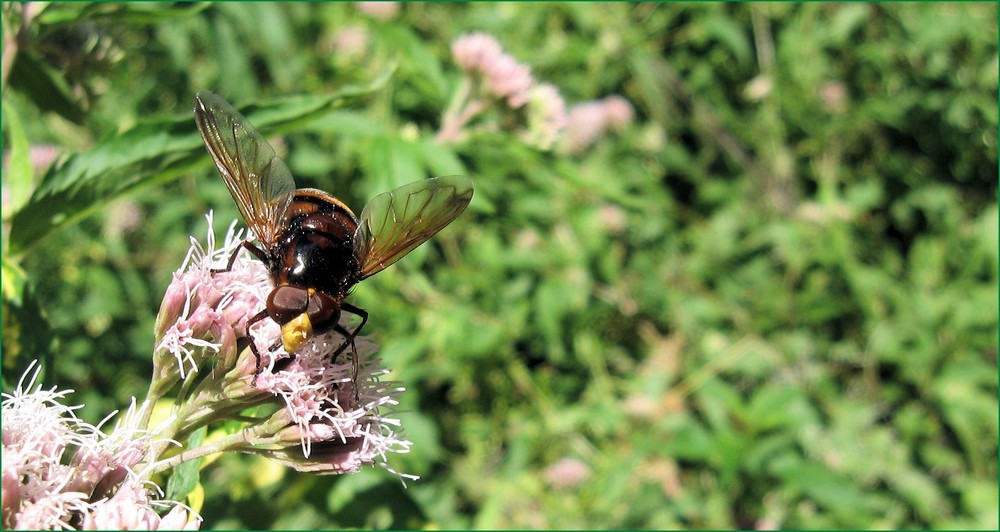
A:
x: 313, y: 245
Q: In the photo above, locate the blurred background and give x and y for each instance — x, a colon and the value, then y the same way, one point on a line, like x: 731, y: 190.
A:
x: 730, y: 265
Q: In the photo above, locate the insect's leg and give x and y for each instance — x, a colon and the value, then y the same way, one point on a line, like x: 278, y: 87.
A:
x: 349, y: 339
x: 350, y: 336
x: 251, y: 247
x: 253, y: 345
x: 280, y: 365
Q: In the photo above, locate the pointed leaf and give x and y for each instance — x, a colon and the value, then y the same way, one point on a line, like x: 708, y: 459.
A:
x: 150, y: 153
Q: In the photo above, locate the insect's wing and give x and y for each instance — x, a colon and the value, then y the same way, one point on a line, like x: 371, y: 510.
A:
x: 258, y: 179
x: 394, y: 223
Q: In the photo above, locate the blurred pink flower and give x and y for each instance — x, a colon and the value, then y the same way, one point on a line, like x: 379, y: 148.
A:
x: 473, y: 50
x: 379, y: 10
x: 586, y: 123
x: 618, y: 111
x: 834, y: 96
x: 613, y: 218
x: 502, y: 76
x: 350, y: 42
x: 506, y: 78
x: 40, y: 155
x: 123, y: 216
x: 567, y: 473
x: 589, y: 120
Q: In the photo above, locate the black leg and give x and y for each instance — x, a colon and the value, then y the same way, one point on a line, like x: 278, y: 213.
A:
x: 349, y: 340
x: 349, y: 336
x: 251, y: 247
x: 253, y: 345
x: 280, y: 365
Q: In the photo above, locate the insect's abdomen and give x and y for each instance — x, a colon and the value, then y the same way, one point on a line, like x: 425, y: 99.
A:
x: 317, y: 249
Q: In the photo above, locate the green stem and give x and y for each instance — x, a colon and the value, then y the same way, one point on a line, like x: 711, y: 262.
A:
x: 230, y: 442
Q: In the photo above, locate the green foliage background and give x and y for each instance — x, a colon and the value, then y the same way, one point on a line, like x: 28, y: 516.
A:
x: 770, y: 301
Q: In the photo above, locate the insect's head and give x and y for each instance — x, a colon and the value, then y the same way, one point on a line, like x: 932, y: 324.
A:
x: 302, y: 313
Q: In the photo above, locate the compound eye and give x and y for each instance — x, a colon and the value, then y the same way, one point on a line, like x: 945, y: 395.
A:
x: 323, y: 311
x: 285, y: 303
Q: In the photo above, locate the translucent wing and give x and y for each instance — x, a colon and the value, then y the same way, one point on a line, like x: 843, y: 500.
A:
x: 394, y: 223
x: 258, y: 179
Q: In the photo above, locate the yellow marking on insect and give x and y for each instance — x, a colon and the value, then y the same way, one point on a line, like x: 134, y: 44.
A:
x: 296, y: 332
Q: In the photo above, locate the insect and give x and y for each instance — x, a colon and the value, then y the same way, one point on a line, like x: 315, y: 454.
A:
x: 313, y: 245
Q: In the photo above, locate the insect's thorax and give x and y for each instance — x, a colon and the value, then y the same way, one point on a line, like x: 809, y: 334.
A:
x: 316, y: 250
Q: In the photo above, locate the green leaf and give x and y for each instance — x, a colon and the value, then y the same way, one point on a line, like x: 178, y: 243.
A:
x: 367, y: 495
x: 690, y: 440
x: 773, y: 407
x: 651, y: 73
x: 236, y: 77
x: 187, y: 475
x: 417, y: 58
x: 426, y: 450
x: 146, y: 154
x: 848, y: 19
x: 378, y: 162
x: 45, y: 86
x: 121, y: 13
x: 19, y: 175
x: 724, y: 29
x: 826, y: 488
x: 14, y: 280
x: 392, y: 162
x: 150, y: 153
x: 441, y: 159
x: 348, y: 123
x: 27, y: 332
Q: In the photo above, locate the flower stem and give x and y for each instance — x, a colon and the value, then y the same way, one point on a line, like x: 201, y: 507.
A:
x: 460, y: 111
x: 225, y: 444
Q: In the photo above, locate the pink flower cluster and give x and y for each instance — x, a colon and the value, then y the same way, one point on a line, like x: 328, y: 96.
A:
x: 60, y: 472
x: 545, y: 121
x: 315, y: 414
x: 494, y: 76
x: 589, y: 120
x: 314, y: 401
x: 504, y: 77
x: 203, y: 313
